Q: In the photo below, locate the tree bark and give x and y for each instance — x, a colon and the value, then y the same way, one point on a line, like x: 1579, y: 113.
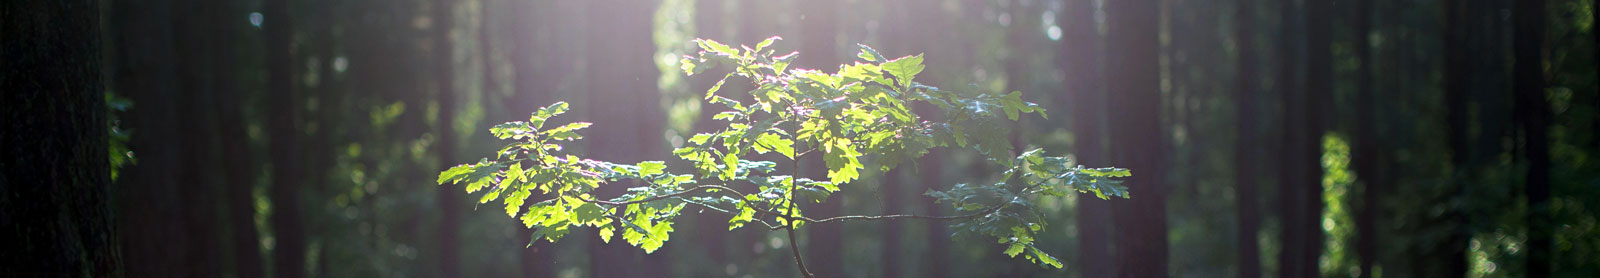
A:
x: 1366, y: 147
x: 1134, y: 97
x: 1319, y: 96
x: 1534, y: 113
x: 1291, y: 218
x: 449, y: 201
x: 55, y: 177
x: 1245, y: 156
x: 1456, y: 94
x: 287, y: 228
x: 531, y: 89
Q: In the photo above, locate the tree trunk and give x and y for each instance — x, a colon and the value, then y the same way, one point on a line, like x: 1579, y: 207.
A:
x: 1290, y: 217
x: 625, y: 108
x: 1319, y: 96
x: 1533, y: 112
x: 55, y: 179
x: 1245, y: 147
x: 449, y: 201
x: 1366, y: 147
x: 290, y: 247
x: 711, y: 228
x: 1134, y: 97
x: 531, y: 88
x: 1456, y: 94
x: 824, y: 246
x: 1080, y: 63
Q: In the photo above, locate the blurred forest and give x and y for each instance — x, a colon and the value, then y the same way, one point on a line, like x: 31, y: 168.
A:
x: 298, y: 138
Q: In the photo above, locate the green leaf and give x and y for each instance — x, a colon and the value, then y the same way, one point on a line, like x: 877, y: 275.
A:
x: 867, y: 53
x: 767, y: 42
x: 586, y: 213
x: 905, y: 69
x: 651, y: 168
x: 606, y: 233
x: 1014, y: 249
x: 514, y: 202
x: 719, y: 48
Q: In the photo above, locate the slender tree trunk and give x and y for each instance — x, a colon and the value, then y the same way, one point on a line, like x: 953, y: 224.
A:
x: 237, y: 165
x: 1456, y: 93
x: 55, y: 180
x: 1319, y: 99
x: 712, y: 228
x: 1533, y: 112
x: 625, y: 108
x: 449, y: 201
x: 824, y: 247
x: 1366, y: 147
x: 1134, y: 97
x: 290, y: 246
x: 1245, y: 147
x: 1291, y: 218
x: 531, y: 88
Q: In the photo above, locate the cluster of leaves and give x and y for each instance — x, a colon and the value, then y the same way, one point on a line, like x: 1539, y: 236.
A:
x: 858, y: 116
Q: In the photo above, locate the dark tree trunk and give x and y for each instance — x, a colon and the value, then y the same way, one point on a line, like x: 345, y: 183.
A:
x: 1456, y: 94
x: 1080, y: 62
x: 238, y: 172
x: 194, y: 144
x: 1533, y: 112
x: 818, y: 49
x: 449, y: 201
x: 55, y: 180
x: 625, y: 108
x: 1245, y: 147
x: 1134, y: 98
x: 1366, y: 147
x: 146, y: 74
x: 290, y: 247
x: 1291, y: 218
x: 1319, y: 98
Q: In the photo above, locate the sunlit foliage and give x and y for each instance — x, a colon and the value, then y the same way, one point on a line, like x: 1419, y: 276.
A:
x: 855, y: 117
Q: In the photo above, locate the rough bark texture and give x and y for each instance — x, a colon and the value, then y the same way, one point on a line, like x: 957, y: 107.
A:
x: 1533, y: 112
x: 1134, y: 98
x: 55, y: 177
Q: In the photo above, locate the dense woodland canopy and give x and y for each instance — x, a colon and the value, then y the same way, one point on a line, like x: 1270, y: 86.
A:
x: 291, y: 138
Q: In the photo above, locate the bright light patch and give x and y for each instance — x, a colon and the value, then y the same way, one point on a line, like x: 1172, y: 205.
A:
x: 255, y: 20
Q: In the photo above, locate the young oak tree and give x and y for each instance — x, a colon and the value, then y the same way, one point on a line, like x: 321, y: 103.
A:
x: 856, y: 117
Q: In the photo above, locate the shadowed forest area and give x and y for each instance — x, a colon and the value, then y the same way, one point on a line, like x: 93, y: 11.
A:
x: 364, y: 138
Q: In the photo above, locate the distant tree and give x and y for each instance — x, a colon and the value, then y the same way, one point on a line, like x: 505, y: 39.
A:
x: 1533, y: 113
x: 862, y: 109
x: 1246, y: 146
x: 1133, y: 80
x: 55, y: 179
x: 287, y: 226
